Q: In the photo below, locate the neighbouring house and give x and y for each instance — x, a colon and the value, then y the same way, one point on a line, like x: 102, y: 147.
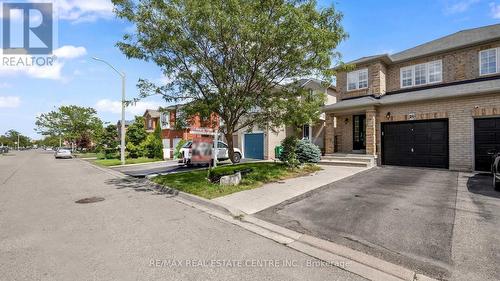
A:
x: 151, y: 119
x: 256, y: 143
x: 119, y: 126
x: 435, y: 105
x: 176, y: 127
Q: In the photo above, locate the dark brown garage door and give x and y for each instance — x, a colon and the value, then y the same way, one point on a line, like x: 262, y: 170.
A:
x: 415, y: 143
x: 486, y: 138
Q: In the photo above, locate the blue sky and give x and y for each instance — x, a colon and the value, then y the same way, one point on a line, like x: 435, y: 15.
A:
x: 88, y: 28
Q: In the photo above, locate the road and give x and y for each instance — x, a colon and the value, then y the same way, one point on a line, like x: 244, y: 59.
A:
x: 134, y: 234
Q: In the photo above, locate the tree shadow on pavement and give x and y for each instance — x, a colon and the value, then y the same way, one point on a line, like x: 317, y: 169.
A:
x: 140, y: 185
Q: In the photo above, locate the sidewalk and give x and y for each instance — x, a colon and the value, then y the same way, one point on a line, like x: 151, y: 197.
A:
x: 256, y: 200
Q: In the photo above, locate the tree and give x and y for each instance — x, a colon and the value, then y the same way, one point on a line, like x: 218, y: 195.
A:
x: 153, y: 146
x: 79, y: 125
x: 11, y: 137
x: 229, y: 57
x: 136, y: 132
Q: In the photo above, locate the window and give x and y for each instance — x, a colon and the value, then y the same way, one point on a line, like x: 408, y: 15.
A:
x: 488, y: 62
x: 357, y: 79
x: 422, y: 74
x: 165, y: 120
x: 222, y: 145
x: 305, y: 132
x: 150, y: 124
x: 435, y: 71
x: 406, y: 77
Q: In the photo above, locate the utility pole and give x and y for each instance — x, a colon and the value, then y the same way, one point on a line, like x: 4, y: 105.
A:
x: 18, y: 138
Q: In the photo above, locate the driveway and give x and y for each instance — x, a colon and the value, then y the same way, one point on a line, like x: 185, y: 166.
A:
x: 402, y: 215
x: 134, y: 234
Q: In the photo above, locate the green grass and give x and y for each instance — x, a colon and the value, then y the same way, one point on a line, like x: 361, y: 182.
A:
x: 196, y: 182
x: 115, y: 162
x: 89, y: 155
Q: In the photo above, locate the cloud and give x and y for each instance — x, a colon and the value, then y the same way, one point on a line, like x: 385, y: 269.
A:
x: 70, y: 52
x: 52, y: 72
x: 458, y: 7
x: 9, y: 101
x: 79, y: 11
x: 107, y: 105
x: 495, y: 10
x: 5, y: 85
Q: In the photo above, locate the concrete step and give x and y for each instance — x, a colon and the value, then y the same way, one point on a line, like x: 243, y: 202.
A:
x: 348, y: 158
x: 344, y: 163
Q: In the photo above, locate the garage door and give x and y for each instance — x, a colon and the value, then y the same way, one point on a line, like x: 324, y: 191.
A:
x: 254, y: 146
x: 486, y: 137
x: 415, y: 143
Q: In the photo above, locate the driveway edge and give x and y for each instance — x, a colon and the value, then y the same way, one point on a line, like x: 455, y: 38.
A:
x: 359, y: 263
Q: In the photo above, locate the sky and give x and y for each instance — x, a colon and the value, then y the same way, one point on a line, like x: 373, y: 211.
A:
x: 88, y: 28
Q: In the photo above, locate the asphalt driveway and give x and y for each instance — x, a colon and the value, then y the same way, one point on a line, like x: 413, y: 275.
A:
x: 402, y: 215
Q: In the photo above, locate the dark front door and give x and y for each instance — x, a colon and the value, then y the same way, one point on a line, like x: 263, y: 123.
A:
x: 254, y: 146
x: 415, y: 143
x: 486, y: 138
x: 359, y: 132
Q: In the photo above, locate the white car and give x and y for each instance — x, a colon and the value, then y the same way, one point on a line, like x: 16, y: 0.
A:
x: 222, y: 153
x: 63, y: 153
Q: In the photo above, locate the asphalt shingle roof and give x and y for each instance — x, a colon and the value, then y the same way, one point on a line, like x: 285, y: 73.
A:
x: 453, y: 41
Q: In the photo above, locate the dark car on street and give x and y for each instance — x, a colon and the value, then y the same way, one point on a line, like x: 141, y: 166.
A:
x: 495, y: 170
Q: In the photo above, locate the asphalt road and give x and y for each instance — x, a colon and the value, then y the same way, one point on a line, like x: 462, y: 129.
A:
x: 134, y: 234
x: 407, y: 216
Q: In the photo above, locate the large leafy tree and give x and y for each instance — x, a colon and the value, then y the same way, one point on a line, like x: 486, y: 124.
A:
x: 79, y: 125
x: 10, y: 138
x: 229, y: 56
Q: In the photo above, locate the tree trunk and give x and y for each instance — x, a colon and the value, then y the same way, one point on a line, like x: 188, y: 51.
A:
x: 230, y: 144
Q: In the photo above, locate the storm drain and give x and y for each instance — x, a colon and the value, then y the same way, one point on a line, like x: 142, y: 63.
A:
x: 89, y: 200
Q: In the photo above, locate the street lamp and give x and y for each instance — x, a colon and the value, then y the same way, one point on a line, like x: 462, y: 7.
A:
x: 122, y: 130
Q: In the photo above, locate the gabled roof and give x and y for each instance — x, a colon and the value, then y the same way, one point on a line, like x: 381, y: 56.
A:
x: 453, y: 41
x: 153, y: 113
x: 456, y: 40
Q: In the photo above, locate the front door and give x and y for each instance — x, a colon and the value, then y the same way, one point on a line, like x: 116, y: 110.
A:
x: 359, y: 132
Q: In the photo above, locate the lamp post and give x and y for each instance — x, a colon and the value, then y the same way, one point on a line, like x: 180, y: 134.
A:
x: 122, y: 130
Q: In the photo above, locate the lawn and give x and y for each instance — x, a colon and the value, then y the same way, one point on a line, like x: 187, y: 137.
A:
x: 195, y: 182
x: 89, y: 155
x: 116, y: 162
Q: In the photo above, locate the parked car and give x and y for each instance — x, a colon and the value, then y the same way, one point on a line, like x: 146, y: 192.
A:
x: 4, y: 149
x: 222, y: 153
x: 63, y: 153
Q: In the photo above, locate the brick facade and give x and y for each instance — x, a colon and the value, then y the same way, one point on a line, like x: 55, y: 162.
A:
x: 457, y: 65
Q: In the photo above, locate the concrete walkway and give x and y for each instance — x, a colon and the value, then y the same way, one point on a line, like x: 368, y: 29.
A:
x: 256, y: 200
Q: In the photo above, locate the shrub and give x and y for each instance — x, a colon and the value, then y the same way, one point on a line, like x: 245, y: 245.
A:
x: 177, y: 152
x: 134, y: 151
x: 152, y: 147
x: 308, y: 152
x: 289, y: 155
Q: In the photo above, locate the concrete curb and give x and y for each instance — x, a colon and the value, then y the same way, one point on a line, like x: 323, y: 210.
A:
x: 356, y: 262
x: 139, y: 164
x: 359, y: 263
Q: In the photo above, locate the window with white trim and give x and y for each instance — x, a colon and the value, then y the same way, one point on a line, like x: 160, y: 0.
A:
x: 357, y: 80
x: 406, y: 77
x: 488, y: 61
x: 421, y: 74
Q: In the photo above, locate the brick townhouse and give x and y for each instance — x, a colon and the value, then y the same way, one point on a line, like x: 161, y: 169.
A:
x: 174, y: 130
x: 435, y: 105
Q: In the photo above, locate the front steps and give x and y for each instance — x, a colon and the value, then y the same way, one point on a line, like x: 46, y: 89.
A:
x: 350, y: 160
